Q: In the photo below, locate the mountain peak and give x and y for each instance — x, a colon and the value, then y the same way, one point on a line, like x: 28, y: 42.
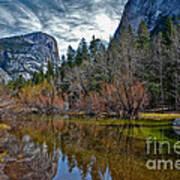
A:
x: 153, y: 12
x: 25, y: 54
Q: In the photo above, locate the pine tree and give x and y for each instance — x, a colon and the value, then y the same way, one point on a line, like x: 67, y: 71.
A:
x: 62, y: 69
x: 19, y: 82
x: 94, y: 47
x: 42, y: 73
x: 170, y: 63
x: 70, y: 56
x: 50, y: 70
x: 63, y: 60
x: 127, y: 48
x: 143, y: 35
x: 168, y: 32
x: 144, y: 51
x: 84, y: 50
x: 79, y: 57
x: 82, y: 53
x: 174, y: 56
x: 36, y: 78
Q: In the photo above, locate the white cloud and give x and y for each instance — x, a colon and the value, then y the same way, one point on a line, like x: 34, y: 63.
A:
x: 68, y: 21
x: 6, y: 17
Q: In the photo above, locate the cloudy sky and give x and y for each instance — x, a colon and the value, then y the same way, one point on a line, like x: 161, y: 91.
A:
x: 67, y: 20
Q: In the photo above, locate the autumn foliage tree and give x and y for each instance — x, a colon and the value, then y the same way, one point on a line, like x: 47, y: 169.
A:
x: 42, y: 97
x: 117, y: 100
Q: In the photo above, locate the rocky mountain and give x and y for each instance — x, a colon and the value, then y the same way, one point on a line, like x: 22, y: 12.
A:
x: 4, y: 77
x: 66, y: 20
x: 23, y: 55
x: 154, y: 12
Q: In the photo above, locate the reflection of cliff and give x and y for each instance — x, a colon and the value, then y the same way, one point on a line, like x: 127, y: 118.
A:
x: 25, y: 160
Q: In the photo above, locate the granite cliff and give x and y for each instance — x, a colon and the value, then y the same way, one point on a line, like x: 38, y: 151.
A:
x: 153, y: 12
x: 23, y: 55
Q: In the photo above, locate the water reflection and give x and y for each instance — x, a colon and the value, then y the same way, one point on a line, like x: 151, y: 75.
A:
x: 90, y: 151
x: 63, y: 171
x: 87, y: 150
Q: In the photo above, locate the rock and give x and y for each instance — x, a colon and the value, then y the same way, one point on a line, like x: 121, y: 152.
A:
x: 153, y: 12
x: 26, y: 54
x: 4, y: 77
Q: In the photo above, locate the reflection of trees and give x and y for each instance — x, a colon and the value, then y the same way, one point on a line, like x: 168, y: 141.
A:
x: 92, y: 148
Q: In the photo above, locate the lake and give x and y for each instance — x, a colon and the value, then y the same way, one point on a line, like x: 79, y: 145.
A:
x: 62, y: 148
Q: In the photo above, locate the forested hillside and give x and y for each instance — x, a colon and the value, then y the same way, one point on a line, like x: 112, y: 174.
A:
x: 135, y: 73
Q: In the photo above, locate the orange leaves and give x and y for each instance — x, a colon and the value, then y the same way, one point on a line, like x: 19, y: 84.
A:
x: 121, y: 99
x: 43, y: 96
x: 124, y: 98
x: 7, y: 103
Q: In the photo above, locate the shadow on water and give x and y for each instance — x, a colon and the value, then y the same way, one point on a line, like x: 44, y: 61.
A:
x: 170, y: 133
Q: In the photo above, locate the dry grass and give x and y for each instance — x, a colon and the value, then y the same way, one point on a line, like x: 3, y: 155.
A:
x: 4, y: 127
x: 159, y: 116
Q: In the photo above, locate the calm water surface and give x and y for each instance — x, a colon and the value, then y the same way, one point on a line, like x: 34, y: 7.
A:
x: 91, y: 151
